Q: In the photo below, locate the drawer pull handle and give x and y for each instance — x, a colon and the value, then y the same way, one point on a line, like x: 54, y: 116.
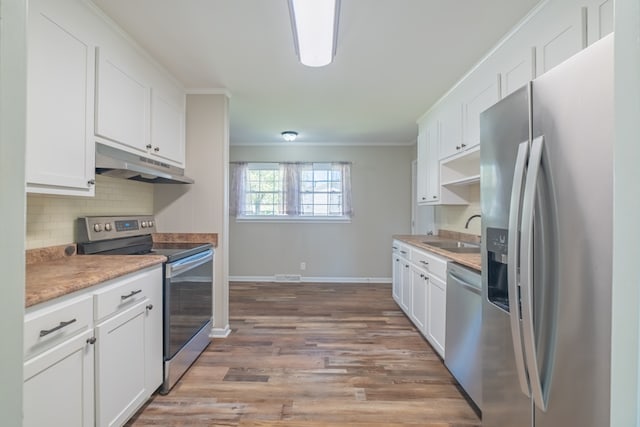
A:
x: 149, y: 307
x: 45, y: 332
x: 91, y: 340
x: 403, y: 252
x: 124, y: 297
x: 424, y: 262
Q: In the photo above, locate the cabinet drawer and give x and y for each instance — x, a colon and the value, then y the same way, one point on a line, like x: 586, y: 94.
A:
x: 432, y: 263
x: 124, y: 293
x: 400, y: 249
x: 51, y: 325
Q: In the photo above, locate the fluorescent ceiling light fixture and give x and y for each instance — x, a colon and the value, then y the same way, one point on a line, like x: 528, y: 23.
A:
x: 315, y: 30
x: 289, y: 135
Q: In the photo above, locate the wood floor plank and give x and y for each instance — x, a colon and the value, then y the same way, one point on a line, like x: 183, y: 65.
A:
x: 314, y: 355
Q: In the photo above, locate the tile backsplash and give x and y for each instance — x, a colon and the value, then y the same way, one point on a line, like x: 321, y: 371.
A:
x: 51, y: 219
x: 454, y: 218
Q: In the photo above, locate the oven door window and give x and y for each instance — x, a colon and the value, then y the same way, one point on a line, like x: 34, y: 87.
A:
x: 188, y: 305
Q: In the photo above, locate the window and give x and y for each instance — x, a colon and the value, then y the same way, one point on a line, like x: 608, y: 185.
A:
x: 291, y: 191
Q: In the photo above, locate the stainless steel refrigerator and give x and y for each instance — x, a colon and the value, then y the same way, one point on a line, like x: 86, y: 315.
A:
x: 546, y: 196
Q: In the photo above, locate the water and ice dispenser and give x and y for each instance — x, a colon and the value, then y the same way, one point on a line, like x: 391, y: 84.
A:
x: 497, y: 285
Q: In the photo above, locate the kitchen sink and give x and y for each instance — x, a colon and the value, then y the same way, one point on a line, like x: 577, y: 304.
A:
x: 464, y: 249
x: 455, y: 246
x: 452, y: 244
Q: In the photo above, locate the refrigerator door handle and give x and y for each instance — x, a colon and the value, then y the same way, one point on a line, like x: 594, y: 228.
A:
x: 526, y: 273
x: 512, y: 264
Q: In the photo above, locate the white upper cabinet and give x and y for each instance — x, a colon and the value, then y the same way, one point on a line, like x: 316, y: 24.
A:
x: 421, y: 173
x: 60, y: 91
x: 122, y: 103
x: 449, y: 119
x: 599, y: 19
x: 559, y: 32
x: 167, y: 127
x: 517, y: 70
x: 482, y: 92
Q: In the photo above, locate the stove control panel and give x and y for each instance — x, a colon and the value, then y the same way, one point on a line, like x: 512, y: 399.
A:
x: 94, y: 228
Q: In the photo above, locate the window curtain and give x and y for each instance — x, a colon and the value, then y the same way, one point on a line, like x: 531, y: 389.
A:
x: 237, y: 185
x: 347, y: 207
x: 291, y: 186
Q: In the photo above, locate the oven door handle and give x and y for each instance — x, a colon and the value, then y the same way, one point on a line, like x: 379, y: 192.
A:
x: 188, y: 263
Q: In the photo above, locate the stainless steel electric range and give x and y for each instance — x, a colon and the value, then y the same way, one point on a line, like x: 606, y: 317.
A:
x: 187, y: 287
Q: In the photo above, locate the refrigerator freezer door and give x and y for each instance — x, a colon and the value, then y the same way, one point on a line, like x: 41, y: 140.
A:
x: 502, y: 128
x: 573, y: 109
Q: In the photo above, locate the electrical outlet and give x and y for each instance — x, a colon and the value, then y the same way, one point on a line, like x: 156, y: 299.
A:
x: 303, y: 266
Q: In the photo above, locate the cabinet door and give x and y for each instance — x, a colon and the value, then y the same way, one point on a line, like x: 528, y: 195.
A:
x: 122, y: 104
x: 396, y: 280
x: 518, y: 70
x: 561, y: 39
x: 422, y: 172
x: 433, y: 163
x: 58, y: 385
x: 406, y: 287
x: 120, y: 366
x: 481, y: 95
x: 153, y: 334
x: 60, y: 91
x: 167, y: 128
x: 419, y: 298
x: 600, y: 19
x: 437, y: 315
x: 450, y: 128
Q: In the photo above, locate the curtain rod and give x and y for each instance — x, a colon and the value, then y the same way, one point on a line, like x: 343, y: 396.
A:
x: 291, y: 163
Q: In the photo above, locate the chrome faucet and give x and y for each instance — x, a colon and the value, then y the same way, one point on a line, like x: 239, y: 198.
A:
x: 470, y: 218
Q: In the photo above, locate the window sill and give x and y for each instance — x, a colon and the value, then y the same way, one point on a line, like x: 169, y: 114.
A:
x: 298, y: 219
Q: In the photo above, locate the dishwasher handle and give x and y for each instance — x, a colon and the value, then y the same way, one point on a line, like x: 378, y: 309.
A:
x: 468, y: 286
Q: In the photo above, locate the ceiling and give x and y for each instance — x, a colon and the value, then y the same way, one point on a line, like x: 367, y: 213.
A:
x: 394, y: 59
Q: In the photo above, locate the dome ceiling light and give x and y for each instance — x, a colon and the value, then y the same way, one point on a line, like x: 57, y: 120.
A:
x: 289, y: 135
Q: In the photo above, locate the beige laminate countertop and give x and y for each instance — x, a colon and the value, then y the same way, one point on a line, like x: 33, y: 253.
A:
x: 422, y: 241
x: 55, y: 271
x: 47, y: 280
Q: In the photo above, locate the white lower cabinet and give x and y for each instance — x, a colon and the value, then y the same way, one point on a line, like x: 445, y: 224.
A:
x: 120, y: 357
x: 58, y: 385
x: 419, y: 288
x: 419, y: 283
x: 94, y: 358
x: 436, y: 310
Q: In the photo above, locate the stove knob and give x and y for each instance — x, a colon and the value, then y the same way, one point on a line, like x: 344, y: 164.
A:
x: 150, y: 223
x: 107, y: 227
x: 97, y: 228
x: 143, y: 224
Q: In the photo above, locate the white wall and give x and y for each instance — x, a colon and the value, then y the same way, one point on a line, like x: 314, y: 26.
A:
x: 625, y: 355
x: 12, y: 205
x: 202, y: 207
x: 381, y: 183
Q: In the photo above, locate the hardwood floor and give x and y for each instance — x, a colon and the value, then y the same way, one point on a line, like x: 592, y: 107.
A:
x: 314, y: 355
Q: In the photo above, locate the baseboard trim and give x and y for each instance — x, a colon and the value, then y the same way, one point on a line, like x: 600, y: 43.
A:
x: 312, y: 279
x: 220, y: 332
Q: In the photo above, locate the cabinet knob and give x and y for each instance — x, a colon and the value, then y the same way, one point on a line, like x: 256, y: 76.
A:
x: 91, y: 340
x: 434, y: 197
x: 458, y: 147
x: 156, y: 149
x: 91, y: 182
x: 149, y: 146
x: 424, y: 198
x: 150, y: 307
x: 463, y: 145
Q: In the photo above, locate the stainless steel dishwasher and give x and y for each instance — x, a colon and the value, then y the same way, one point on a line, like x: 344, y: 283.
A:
x: 463, y: 345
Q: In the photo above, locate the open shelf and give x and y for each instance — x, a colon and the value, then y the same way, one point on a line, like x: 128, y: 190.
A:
x: 462, y: 170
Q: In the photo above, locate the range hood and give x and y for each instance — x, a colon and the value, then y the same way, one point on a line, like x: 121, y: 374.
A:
x: 121, y: 164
